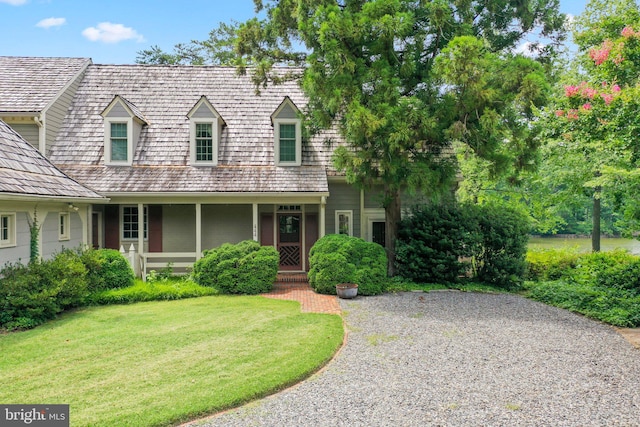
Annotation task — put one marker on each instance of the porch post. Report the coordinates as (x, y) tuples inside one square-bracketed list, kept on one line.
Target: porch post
[(255, 222), (362, 224), (323, 206), (141, 229), (198, 231)]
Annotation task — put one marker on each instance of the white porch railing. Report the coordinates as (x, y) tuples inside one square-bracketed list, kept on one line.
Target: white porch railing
[(180, 261)]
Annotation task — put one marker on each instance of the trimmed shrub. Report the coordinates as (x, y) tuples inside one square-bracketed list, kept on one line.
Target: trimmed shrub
[(106, 269), (243, 268), (550, 264), (615, 269), (33, 294), (338, 258), (505, 234), (435, 243), (167, 289)]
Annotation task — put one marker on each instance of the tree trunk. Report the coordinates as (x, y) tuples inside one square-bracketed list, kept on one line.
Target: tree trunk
[(595, 233), (392, 218)]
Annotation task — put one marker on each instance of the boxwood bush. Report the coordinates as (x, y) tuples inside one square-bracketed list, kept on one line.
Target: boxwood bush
[(338, 258), (32, 294), (243, 268), (106, 269)]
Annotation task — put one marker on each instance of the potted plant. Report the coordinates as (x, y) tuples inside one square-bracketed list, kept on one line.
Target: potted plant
[(347, 290)]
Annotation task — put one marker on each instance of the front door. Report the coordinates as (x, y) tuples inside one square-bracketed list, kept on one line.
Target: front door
[(289, 241)]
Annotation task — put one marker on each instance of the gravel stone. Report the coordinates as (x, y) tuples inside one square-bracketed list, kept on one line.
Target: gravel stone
[(461, 359)]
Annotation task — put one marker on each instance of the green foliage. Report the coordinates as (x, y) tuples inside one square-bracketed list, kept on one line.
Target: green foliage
[(33, 294), (166, 289), (616, 269), (34, 233), (550, 264), (338, 258), (106, 269), (505, 233), (437, 243), (243, 268)]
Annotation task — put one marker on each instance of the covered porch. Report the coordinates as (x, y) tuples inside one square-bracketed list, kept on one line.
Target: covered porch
[(176, 231)]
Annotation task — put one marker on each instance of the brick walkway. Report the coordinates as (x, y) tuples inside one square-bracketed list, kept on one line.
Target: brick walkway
[(294, 287)]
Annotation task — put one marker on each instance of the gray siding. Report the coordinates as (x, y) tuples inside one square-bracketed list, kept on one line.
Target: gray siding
[(56, 113), (29, 133), (343, 197), (118, 110), (51, 244), (226, 224), (287, 112), (178, 228), (203, 112), (20, 252)]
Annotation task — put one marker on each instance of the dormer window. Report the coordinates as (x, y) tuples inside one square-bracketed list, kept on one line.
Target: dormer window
[(205, 127), (122, 126), (287, 130)]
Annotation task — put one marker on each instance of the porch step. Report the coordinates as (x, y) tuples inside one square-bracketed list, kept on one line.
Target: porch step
[(292, 278)]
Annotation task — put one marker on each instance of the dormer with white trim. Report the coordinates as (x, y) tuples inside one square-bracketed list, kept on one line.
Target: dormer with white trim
[(123, 123), (287, 132), (205, 128)]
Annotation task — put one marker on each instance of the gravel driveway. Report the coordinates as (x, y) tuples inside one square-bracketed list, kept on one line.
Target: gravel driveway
[(462, 359)]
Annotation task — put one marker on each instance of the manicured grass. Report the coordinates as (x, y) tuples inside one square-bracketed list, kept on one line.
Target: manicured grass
[(157, 363)]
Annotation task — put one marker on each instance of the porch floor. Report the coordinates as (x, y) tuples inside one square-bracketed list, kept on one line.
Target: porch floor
[(295, 287)]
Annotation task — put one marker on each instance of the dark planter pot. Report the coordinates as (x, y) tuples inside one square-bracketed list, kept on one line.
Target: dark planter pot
[(347, 290)]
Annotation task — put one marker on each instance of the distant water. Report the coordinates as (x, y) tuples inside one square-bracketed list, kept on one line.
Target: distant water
[(583, 244)]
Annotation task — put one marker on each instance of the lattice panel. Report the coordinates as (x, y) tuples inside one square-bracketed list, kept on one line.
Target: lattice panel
[(290, 256)]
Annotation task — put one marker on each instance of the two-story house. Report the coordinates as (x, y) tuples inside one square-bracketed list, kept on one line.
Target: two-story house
[(191, 157)]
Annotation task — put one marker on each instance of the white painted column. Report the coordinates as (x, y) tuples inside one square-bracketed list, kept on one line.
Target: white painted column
[(198, 231), (255, 222), (140, 229), (85, 219), (323, 207), (362, 223)]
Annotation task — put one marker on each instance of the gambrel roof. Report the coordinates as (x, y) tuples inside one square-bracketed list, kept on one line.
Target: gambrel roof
[(46, 78), (25, 172), (165, 95)]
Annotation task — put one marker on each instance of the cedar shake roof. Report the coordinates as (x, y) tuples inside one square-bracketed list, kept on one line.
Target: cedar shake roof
[(164, 96), (24, 171), (46, 78)]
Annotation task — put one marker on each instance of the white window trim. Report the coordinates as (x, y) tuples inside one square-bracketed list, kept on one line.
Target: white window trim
[(215, 134), (372, 215), (107, 140), (11, 241), (349, 213), (64, 225), (276, 141), (145, 217)]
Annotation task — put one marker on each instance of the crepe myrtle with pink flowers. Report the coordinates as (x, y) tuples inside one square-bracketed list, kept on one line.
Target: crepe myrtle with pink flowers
[(594, 127)]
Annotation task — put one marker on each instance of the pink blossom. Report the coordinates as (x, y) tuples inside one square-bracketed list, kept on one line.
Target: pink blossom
[(572, 115), (615, 88), (607, 98), (588, 92), (601, 55), (628, 32), (586, 106), (570, 91), (559, 113)]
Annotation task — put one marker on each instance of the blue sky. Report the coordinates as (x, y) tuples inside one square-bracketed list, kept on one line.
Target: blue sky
[(113, 32)]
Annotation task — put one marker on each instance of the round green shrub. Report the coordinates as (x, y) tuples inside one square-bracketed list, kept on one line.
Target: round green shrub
[(243, 268), (107, 269), (338, 258)]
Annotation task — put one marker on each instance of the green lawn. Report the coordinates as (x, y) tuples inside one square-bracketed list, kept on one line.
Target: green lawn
[(157, 363)]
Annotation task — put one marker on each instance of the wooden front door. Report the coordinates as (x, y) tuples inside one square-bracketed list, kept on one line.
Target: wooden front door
[(289, 241)]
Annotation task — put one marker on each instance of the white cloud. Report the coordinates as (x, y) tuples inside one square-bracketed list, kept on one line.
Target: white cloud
[(51, 22), (530, 49), (107, 32), (14, 2)]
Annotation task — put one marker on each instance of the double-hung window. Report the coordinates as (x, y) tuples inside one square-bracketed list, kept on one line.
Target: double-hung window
[(344, 222), (119, 142), (63, 226), (288, 142), (130, 221), (204, 142), (7, 229)]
